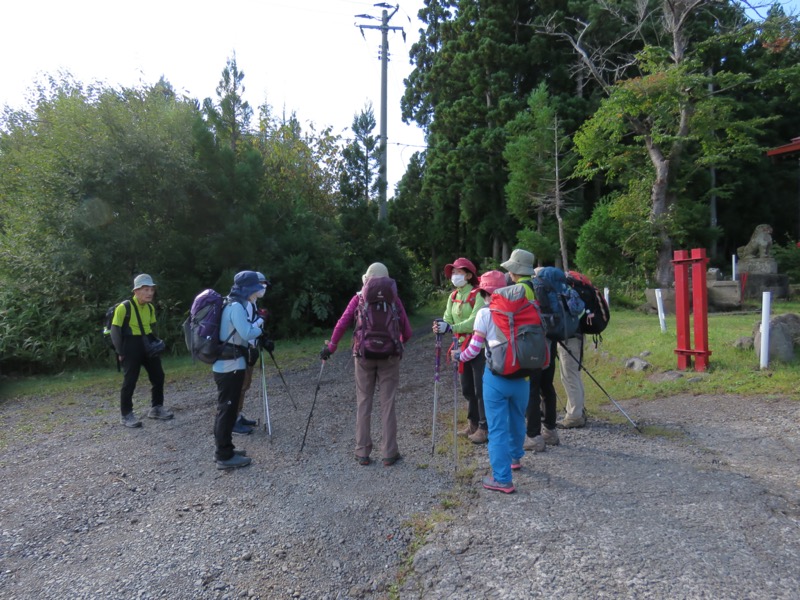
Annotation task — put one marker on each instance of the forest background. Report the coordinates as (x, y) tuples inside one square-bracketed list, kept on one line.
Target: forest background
[(600, 135)]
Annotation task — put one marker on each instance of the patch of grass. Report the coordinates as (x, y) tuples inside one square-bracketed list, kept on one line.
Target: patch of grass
[(421, 525), (731, 371)]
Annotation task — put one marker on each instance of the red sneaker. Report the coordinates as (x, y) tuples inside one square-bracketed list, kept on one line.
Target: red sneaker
[(490, 484)]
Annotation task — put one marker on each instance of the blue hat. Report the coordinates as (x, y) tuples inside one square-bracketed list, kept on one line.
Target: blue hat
[(245, 284)]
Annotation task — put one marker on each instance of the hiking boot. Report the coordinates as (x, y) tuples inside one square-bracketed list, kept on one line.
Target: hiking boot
[(388, 462), (571, 422), (534, 444), (237, 452), (490, 484), (240, 429), (469, 429), (130, 420), (481, 436), (363, 460), (247, 422), (550, 436), (516, 465), (159, 412), (234, 462)]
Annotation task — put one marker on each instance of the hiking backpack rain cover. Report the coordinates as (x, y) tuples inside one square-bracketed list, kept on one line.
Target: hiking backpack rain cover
[(377, 330), (560, 305), (201, 329), (521, 346), (597, 315)]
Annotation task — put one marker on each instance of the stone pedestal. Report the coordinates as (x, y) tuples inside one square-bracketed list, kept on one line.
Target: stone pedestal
[(757, 266), (667, 297), (756, 283), (724, 295)]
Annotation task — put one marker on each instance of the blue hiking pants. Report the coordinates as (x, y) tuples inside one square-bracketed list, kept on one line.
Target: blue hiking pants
[(505, 401)]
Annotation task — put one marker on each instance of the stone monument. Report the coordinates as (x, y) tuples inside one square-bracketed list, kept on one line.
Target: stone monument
[(758, 271)]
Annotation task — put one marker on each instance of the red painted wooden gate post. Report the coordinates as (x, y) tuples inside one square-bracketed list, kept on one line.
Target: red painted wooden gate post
[(700, 304), (683, 350)]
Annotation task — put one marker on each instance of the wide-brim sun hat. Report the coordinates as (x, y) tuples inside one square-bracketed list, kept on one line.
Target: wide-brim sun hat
[(520, 262), (491, 281), (461, 263), (245, 284), (143, 280)]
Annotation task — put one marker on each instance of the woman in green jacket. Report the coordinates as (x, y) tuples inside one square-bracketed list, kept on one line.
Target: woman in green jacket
[(459, 318)]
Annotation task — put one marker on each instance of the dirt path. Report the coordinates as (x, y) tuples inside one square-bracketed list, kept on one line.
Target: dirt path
[(92, 510)]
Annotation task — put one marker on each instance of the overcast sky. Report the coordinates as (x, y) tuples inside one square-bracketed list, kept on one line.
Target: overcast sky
[(305, 56)]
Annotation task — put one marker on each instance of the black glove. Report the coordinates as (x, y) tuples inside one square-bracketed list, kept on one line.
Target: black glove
[(326, 353), (266, 344)]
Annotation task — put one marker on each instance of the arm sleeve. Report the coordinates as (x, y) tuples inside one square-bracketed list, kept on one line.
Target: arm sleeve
[(475, 346), (405, 325), (116, 338), (344, 322), (448, 311), (246, 330), (478, 338)]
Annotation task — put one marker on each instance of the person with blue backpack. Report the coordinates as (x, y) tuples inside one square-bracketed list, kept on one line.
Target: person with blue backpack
[(229, 370), (459, 317), (538, 435), (381, 327)]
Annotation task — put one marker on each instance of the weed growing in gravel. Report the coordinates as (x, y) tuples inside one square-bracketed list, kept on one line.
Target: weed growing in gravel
[(421, 525)]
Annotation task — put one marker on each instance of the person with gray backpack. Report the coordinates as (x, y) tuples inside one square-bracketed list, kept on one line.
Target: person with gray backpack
[(510, 329)]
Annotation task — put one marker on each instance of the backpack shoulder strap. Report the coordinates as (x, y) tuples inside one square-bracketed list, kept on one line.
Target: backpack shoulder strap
[(473, 293)]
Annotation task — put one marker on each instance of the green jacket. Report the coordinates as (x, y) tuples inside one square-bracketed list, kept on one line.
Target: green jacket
[(460, 314)]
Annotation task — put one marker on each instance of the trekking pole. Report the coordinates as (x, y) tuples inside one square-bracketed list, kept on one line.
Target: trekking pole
[(455, 404), (288, 391), (614, 402), (319, 379), (267, 423), (436, 390)]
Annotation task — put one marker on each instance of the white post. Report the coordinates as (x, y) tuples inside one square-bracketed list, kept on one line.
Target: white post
[(605, 295), (766, 299), (660, 302), (733, 267)]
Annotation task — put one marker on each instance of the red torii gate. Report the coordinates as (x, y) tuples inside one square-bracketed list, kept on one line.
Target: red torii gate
[(786, 151)]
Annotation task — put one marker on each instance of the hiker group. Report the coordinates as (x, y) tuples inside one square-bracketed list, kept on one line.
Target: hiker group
[(226, 332), (507, 330)]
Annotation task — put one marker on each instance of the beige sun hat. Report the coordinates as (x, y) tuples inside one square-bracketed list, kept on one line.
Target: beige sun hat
[(375, 270), (520, 263)]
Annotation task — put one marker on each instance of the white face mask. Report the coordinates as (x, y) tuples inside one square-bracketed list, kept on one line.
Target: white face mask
[(458, 280), (262, 292)]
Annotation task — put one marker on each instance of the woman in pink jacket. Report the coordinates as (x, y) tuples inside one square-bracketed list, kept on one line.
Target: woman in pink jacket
[(377, 350)]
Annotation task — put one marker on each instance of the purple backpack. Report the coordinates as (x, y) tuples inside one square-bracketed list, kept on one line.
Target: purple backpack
[(201, 329), (377, 331)]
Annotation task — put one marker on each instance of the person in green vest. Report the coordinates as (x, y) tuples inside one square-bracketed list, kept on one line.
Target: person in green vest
[(133, 321)]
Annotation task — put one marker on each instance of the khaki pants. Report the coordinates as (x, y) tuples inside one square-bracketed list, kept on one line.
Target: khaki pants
[(385, 373), (571, 376)]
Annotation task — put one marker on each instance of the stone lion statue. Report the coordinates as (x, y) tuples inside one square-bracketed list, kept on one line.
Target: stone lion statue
[(759, 244)]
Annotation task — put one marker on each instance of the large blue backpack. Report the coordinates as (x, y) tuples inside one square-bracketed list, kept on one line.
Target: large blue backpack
[(560, 305)]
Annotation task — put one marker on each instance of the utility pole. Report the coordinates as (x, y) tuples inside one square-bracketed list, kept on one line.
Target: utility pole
[(384, 56)]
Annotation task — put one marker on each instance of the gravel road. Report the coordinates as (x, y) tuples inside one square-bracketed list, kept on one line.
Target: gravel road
[(708, 508)]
